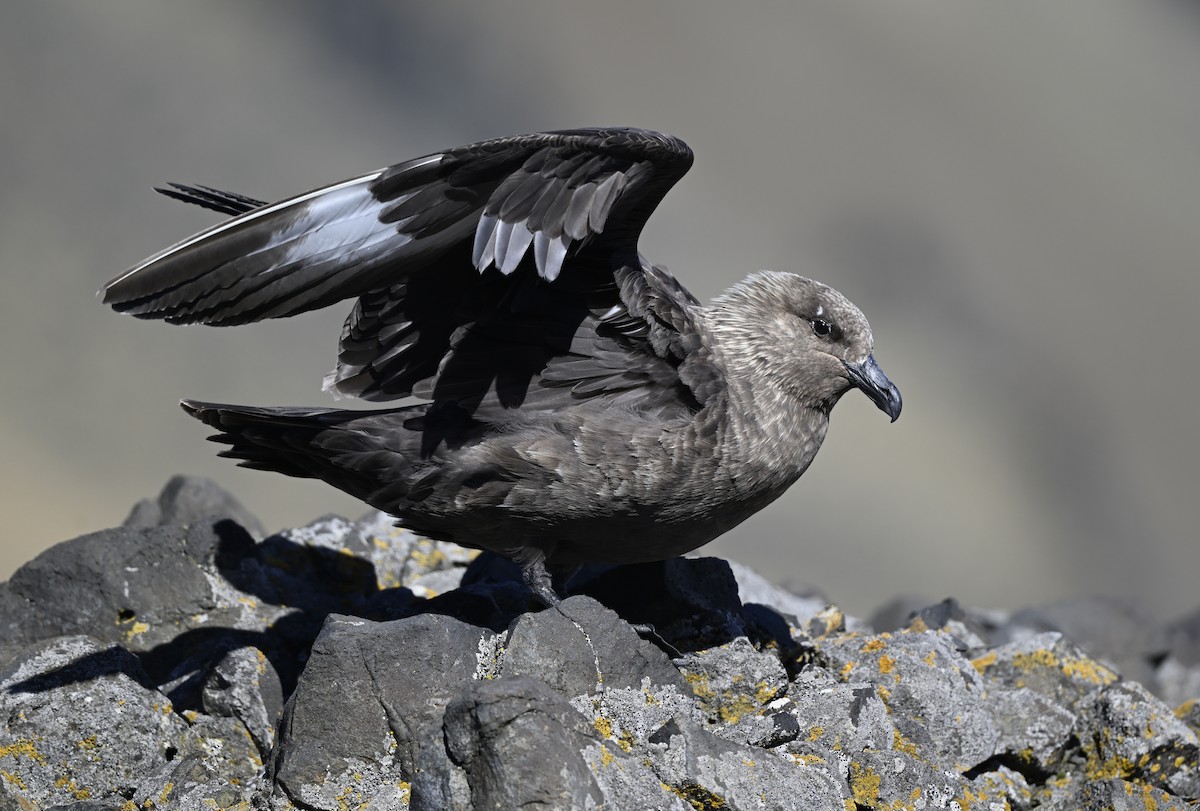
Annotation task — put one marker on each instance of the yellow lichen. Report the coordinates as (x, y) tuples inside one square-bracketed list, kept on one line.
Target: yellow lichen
[(604, 726), (1035, 659), (873, 645), (22, 748), (903, 744), (428, 556), (135, 630), (807, 760), (697, 796), (984, 662), (734, 707), (699, 684), (1089, 670), (815, 733), (864, 785), (765, 693), (69, 785)]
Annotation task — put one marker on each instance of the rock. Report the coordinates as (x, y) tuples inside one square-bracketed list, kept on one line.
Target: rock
[(1047, 664), (1117, 632), (838, 716), (739, 690), (367, 712), (753, 588), (878, 778), (186, 500), (1101, 795), (693, 602), (1126, 732), (934, 694), (245, 686), (503, 733), (179, 663), (1033, 730), (581, 647), (79, 722)]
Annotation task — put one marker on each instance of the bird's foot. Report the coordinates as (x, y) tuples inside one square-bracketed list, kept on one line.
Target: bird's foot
[(538, 580)]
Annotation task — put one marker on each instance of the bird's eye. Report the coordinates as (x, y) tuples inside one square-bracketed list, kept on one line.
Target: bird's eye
[(822, 327)]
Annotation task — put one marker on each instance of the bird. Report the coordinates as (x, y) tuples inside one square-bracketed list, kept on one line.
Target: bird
[(570, 402)]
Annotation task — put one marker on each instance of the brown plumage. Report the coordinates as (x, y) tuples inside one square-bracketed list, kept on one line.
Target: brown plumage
[(578, 404)]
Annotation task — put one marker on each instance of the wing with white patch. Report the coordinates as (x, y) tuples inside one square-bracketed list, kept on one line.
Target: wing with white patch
[(538, 196), (497, 275)]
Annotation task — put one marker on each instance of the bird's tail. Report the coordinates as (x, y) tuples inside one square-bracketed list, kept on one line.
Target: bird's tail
[(344, 448)]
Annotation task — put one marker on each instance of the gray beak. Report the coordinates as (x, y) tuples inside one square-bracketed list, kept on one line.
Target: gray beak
[(875, 384)]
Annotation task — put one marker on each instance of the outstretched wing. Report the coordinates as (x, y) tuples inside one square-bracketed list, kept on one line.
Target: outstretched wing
[(501, 273)]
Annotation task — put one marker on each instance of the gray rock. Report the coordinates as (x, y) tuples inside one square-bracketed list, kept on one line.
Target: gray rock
[(738, 690), (1032, 729), (754, 588), (135, 587), (1115, 631), (400, 557), (581, 647), (245, 686), (838, 716), (918, 614), (367, 711), (188, 500), (933, 693), (878, 779), (711, 772), (1114, 793), (992, 789), (522, 745), (692, 602), (1177, 683), (194, 783), (78, 723), (414, 678), (1047, 664), (1126, 732)]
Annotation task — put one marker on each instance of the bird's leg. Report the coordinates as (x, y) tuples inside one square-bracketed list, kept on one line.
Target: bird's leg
[(537, 578)]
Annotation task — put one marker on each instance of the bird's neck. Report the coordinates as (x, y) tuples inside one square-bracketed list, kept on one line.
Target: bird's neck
[(770, 429), (765, 428)]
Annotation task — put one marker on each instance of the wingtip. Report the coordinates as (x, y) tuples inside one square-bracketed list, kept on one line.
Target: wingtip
[(193, 407)]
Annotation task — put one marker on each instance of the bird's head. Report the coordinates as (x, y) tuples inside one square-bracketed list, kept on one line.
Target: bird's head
[(804, 337)]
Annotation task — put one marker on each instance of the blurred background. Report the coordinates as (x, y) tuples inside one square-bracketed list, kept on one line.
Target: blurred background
[(1010, 191)]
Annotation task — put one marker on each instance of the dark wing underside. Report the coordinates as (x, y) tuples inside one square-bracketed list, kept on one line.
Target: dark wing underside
[(495, 275)]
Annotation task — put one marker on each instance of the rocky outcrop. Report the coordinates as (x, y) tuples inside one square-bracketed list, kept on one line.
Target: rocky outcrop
[(179, 662)]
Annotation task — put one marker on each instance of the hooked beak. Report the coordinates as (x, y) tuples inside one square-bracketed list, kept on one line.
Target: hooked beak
[(875, 384)]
